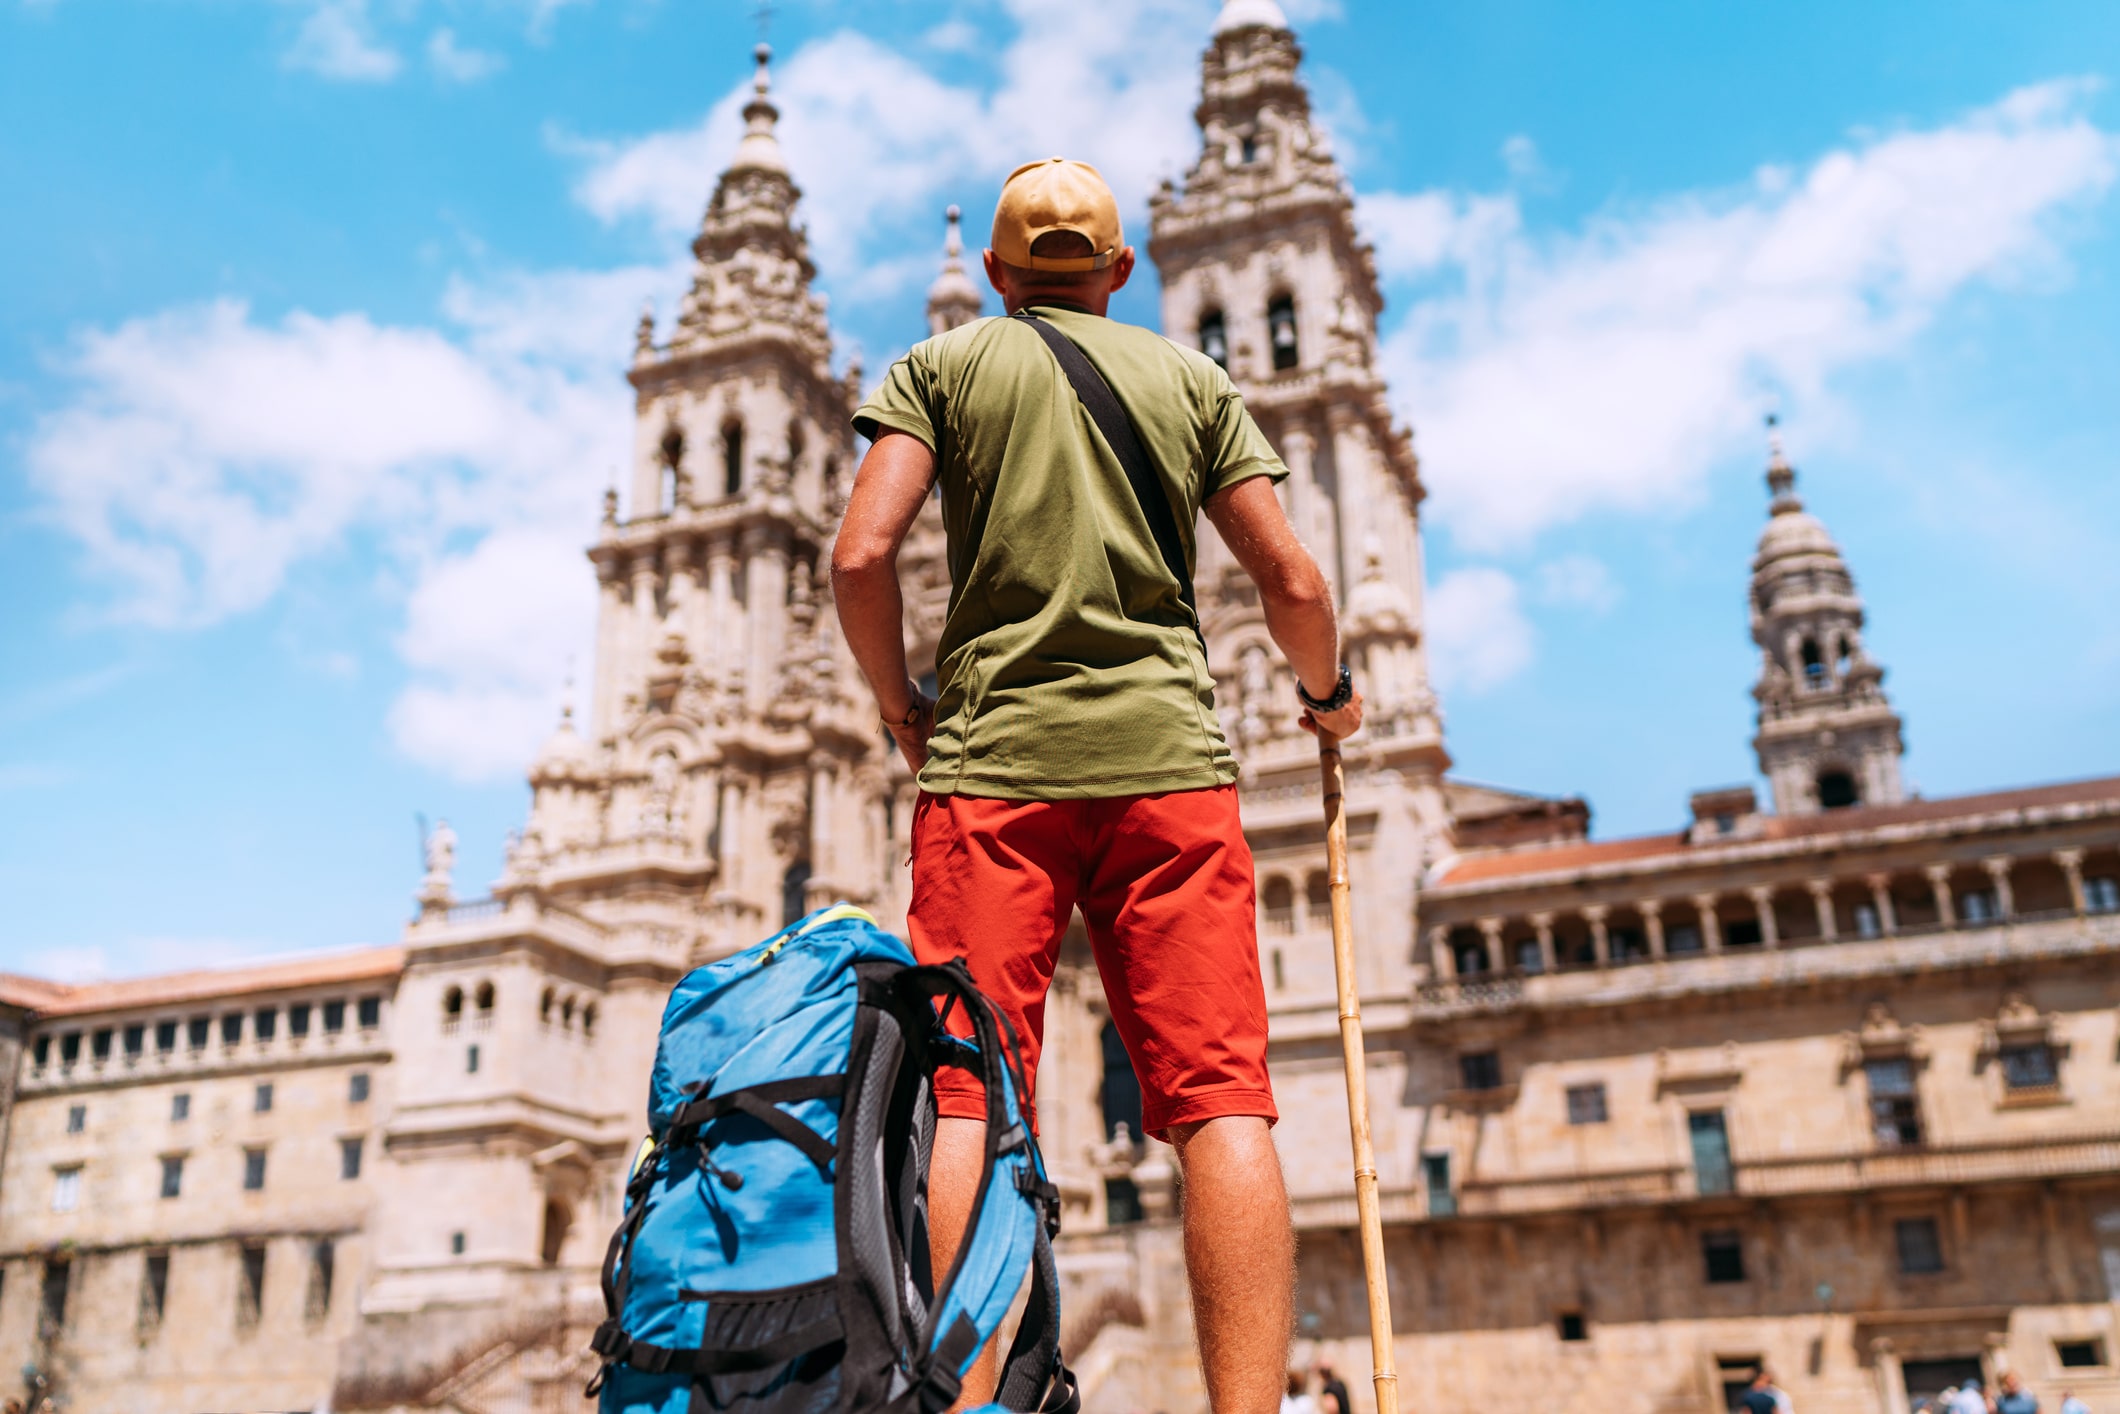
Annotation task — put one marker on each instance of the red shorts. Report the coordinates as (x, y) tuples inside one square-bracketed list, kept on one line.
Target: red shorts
[(1165, 884)]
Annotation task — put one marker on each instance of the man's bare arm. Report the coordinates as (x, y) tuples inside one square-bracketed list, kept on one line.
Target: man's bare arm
[(1292, 590), (888, 492)]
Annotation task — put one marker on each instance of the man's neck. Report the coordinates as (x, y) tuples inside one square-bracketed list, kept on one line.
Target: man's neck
[(1041, 299)]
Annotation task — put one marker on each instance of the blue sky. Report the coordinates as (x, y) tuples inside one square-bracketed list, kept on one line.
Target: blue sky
[(314, 314)]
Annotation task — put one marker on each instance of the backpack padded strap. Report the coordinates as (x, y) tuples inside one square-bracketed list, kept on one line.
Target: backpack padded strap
[(762, 1102), (1033, 1376)]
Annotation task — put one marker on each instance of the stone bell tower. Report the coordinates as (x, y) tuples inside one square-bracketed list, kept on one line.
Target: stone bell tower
[(733, 776), (1828, 737), (1264, 271)]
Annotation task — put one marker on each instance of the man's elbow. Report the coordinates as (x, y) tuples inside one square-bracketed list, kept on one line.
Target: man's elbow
[(1296, 587), (855, 559)]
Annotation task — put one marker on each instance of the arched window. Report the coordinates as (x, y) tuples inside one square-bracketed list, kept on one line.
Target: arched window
[(1214, 337), (732, 458), (672, 455), (544, 1007), (485, 996), (1119, 1093), (1248, 149), (589, 1019), (1317, 892), (1837, 790), (794, 888), (1279, 899), (566, 1014), (1281, 331), (1843, 654), (1469, 951), (558, 1218), (453, 1004), (1814, 663)]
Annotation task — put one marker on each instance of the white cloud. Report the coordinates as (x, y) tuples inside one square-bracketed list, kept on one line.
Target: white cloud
[(1578, 581), (334, 42), (457, 64), (879, 145), (1612, 369), (1478, 636)]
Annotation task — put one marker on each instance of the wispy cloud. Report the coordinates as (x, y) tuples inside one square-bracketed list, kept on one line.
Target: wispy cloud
[(458, 64), (43, 699), (1478, 634), (1611, 368), (335, 42)]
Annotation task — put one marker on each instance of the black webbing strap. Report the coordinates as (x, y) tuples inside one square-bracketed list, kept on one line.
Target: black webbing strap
[(1111, 419), (1033, 1377), (762, 1102), (615, 1346)]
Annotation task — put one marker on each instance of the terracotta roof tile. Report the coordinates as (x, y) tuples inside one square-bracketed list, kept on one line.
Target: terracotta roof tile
[(29, 993), (1519, 862), (367, 965)]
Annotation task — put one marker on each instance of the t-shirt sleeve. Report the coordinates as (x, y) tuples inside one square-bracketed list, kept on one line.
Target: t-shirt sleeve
[(1236, 449), (904, 402)]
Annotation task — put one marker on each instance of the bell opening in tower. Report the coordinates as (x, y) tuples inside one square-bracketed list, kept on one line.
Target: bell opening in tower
[(1214, 338), (1814, 663), (732, 458), (1281, 331), (1837, 790)]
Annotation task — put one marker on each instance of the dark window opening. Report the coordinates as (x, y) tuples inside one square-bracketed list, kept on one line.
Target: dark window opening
[(298, 1020), (1735, 1374), (253, 1169), (180, 1106), (41, 1051), (1814, 663), (2101, 895), (369, 1013), (732, 459), (349, 1159), (154, 1291), (2029, 1067), (1743, 933), (1573, 1326), (165, 1037), (268, 1020), (1682, 938), (1214, 337), (99, 1044), (1920, 1248), (1977, 906), (484, 998), (1867, 923), (334, 1016), (794, 891), (1248, 150), (1280, 970), (671, 452), (1435, 1176), (1926, 1380), (1895, 1111), (323, 1264), (1119, 1092), (456, 1244), (1711, 1151), (1836, 790), (452, 1007), (261, 1099), (1281, 331), (1722, 1256), (1122, 1202), (76, 1119), (544, 1006), (553, 1241), (231, 1028), (1278, 901), (69, 1048), (250, 1287), (471, 1059), (1468, 950), (1480, 1070), (198, 1031), (2077, 1354), (1528, 958), (172, 1175), (1586, 1104), (58, 1278), (1628, 944), (135, 1040), (357, 1087)]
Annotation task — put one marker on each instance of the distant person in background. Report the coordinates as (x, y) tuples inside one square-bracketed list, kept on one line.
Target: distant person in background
[(1295, 1401), (1968, 1399), (2015, 1398), (1759, 1399), (2072, 1405), (1329, 1382)]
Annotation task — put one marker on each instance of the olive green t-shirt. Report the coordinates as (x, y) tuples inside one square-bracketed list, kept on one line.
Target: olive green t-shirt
[(1069, 666)]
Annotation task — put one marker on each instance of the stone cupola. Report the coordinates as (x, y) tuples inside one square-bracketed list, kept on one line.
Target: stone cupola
[(953, 299), (1828, 737)]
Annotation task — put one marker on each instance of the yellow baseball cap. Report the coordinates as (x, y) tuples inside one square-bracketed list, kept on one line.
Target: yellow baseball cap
[(1056, 195)]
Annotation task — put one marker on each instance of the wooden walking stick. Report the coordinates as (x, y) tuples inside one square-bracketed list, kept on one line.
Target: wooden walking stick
[(1365, 1164)]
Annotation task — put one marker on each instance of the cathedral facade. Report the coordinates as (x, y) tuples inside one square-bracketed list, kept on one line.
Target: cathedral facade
[(1832, 1087)]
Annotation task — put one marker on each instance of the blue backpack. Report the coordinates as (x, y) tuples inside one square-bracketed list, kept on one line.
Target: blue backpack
[(774, 1253)]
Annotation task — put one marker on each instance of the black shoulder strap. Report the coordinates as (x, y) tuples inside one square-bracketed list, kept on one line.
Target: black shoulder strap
[(1104, 410)]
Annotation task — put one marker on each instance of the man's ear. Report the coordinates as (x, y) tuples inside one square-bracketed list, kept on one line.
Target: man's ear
[(1122, 268), (994, 269)]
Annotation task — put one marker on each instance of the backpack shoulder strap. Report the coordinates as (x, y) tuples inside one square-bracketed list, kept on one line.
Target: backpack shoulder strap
[(1111, 419)]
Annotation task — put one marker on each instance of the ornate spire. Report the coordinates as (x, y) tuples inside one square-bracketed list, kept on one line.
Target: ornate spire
[(953, 299), (760, 149), (1249, 14), (1828, 736)]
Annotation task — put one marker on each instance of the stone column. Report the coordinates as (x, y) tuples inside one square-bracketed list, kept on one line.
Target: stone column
[(1600, 939), (1439, 954), (644, 617), (766, 598), (1491, 931), (684, 584), (610, 632), (1998, 868), (721, 601), (1543, 924), (1306, 500), (1652, 911), (1710, 925), (1763, 903), (1940, 885), (1891, 1380), (1822, 901), (1881, 900), (2071, 862)]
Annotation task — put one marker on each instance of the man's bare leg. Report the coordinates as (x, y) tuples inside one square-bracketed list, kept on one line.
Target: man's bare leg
[(953, 1187), (1240, 1258)]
